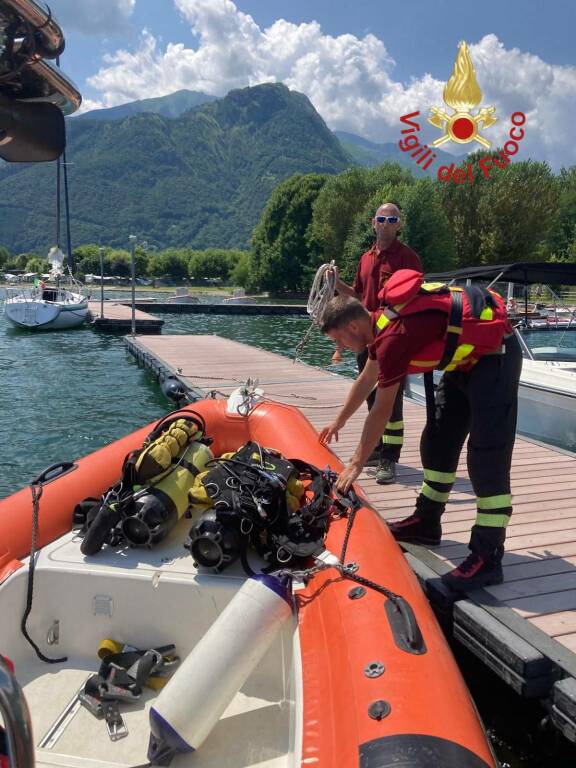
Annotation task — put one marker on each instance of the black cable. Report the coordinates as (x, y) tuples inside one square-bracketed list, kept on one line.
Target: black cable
[(30, 590)]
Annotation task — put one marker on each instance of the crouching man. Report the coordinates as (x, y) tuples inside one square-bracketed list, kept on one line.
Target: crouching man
[(466, 333)]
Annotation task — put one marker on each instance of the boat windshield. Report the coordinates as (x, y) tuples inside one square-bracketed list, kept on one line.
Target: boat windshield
[(549, 345)]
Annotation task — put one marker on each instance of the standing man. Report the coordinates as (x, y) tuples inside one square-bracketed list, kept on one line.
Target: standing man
[(465, 332), (387, 255)]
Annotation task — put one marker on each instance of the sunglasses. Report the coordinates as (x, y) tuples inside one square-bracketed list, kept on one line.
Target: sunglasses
[(389, 219)]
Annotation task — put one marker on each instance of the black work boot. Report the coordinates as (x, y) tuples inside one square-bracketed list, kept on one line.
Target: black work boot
[(483, 566), (423, 527)]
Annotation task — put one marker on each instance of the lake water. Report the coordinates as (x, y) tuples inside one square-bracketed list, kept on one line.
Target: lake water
[(65, 394)]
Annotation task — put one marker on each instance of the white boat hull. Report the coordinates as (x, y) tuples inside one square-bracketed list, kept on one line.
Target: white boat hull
[(47, 315), (546, 401)]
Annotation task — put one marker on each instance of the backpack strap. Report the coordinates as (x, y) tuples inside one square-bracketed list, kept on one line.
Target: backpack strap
[(454, 328)]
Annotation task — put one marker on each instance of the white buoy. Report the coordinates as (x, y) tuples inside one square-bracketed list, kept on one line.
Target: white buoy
[(193, 701)]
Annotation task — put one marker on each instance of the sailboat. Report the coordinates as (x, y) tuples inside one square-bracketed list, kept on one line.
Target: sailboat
[(54, 307)]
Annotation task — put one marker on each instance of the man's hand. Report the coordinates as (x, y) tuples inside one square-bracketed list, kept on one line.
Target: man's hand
[(331, 431), (347, 477)]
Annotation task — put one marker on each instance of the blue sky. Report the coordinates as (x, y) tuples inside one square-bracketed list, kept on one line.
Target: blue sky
[(361, 63)]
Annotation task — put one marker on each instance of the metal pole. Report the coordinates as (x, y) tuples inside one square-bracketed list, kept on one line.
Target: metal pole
[(132, 239), (101, 252)]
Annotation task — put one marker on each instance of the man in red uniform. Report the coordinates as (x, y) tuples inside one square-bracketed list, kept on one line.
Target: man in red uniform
[(470, 337), (387, 255)]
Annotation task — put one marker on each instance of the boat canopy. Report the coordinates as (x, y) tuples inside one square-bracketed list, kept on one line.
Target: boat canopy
[(524, 272)]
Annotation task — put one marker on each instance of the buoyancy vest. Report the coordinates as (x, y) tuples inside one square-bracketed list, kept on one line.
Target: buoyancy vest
[(477, 319)]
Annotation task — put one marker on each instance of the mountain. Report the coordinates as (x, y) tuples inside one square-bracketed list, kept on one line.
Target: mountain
[(369, 153), (172, 105), (200, 179)]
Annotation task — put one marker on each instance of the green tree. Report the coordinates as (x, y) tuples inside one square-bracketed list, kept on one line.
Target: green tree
[(517, 212), (117, 263), (213, 263), (506, 217), (172, 262), (36, 264), (461, 202), (19, 261), (343, 197), (87, 259), (425, 227), (280, 255), (4, 256), (561, 240), (240, 275)]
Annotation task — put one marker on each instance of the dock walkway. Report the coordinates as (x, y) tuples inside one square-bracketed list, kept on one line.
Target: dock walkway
[(118, 317), (523, 629)]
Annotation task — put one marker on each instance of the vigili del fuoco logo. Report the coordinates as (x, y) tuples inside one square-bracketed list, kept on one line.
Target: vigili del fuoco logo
[(462, 95)]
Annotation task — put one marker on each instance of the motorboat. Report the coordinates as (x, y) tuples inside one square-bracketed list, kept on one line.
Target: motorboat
[(182, 296), (349, 668), (547, 391), (239, 297), (43, 307)]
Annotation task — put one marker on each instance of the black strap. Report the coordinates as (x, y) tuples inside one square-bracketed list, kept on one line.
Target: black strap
[(189, 466), (430, 399), (453, 336)]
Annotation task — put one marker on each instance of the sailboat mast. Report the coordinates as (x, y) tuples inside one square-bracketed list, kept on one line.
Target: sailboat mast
[(58, 195), (67, 215)]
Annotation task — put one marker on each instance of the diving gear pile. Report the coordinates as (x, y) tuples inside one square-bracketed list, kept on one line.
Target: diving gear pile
[(253, 497)]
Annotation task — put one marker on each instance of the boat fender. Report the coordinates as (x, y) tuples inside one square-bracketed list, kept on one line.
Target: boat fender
[(243, 399), (193, 701)]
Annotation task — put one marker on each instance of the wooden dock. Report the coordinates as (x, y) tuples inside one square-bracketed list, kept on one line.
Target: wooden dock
[(224, 308), (118, 317), (523, 629)]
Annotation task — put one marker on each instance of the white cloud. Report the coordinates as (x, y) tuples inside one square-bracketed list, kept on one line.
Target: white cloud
[(93, 17), (348, 79)]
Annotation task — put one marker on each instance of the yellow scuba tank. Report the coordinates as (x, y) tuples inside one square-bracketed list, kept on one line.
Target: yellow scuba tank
[(164, 501), (152, 493)]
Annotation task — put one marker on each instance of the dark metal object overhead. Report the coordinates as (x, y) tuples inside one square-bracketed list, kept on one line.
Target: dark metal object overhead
[(551, 273), (34, 94)]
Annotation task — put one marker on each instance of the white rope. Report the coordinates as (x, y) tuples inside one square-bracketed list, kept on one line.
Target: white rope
[(323, 288)]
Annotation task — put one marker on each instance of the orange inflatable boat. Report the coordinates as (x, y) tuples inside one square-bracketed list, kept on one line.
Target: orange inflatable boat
[(355, 677)]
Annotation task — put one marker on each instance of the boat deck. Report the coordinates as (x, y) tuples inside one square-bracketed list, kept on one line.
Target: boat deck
[(523, 629), (161, 581)]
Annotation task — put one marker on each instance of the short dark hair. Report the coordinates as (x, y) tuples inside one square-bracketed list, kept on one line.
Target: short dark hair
[(341, 310)]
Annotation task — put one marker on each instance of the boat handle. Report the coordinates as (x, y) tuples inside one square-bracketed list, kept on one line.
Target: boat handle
[(54, 471), (404, 624)]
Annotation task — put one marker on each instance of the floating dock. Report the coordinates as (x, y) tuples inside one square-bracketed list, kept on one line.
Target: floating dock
[(523, 629), (117, 317), (226, 308)]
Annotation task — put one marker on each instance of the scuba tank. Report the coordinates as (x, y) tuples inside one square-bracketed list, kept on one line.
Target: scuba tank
[(194, 699), (157, 509), (152, 493)]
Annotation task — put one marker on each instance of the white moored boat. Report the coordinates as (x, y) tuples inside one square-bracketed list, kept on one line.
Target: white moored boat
[(48, 308)]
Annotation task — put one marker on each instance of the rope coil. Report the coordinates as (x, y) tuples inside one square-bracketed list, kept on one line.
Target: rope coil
[(322, 290)]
